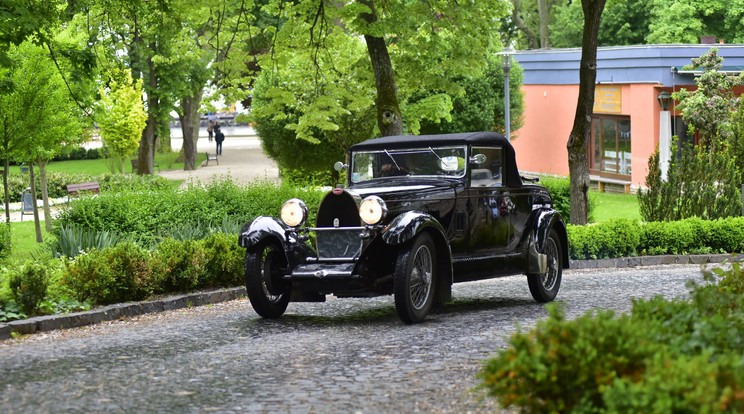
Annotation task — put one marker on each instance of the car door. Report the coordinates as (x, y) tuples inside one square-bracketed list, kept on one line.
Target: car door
[(489, 212)]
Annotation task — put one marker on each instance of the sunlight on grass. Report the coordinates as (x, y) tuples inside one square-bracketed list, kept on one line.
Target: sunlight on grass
[(608, 206), (23, 239), (101, 166)]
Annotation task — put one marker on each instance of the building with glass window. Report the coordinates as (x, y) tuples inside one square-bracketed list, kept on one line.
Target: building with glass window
[(629, 122)]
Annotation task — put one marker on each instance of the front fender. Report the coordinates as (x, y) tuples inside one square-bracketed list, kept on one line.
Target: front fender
[(264, 228), (407, 225), (259, 229)]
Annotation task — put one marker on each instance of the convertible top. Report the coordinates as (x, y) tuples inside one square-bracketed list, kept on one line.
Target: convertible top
[(488, 139)]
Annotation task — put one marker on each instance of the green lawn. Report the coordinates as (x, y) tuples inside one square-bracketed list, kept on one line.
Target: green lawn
[(23, 240), (102, 166), (608, 206)]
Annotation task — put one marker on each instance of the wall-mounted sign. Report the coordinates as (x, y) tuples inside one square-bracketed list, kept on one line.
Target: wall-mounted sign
[(608, 99)]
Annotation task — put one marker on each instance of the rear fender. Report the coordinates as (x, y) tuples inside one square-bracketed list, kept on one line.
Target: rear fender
[(545, 220)]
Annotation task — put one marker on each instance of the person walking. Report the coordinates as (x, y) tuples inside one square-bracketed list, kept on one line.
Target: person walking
[(211, 124), (218, 138)]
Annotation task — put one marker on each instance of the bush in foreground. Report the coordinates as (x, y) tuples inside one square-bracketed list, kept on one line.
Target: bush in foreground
[(666, 356)]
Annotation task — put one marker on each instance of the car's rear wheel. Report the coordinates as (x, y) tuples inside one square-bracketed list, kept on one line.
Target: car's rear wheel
[(544, 287), (264, 267), (413, 283)]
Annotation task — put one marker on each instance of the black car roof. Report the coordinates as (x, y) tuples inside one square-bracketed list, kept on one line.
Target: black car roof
[(511, 173)]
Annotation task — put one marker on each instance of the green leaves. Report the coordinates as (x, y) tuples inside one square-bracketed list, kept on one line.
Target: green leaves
[(121, 116)]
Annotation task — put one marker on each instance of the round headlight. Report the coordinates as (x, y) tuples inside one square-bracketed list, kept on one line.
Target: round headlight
[(294, 212), (372, 210)]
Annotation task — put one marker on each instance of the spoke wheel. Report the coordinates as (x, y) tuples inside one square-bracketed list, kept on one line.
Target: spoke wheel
[(544, 287), (414, 277), (264, 268)]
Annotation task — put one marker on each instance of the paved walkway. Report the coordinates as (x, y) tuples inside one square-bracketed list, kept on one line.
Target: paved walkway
[(242, 160)]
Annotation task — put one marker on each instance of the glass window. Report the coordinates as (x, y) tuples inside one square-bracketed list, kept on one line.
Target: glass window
[(437, 161), (489, 172), (610, 145)]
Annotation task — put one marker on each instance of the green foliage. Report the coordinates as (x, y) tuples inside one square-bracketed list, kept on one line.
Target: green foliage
[(121, 117), (117, 274), (702, 180), (224, 260), (560, 190), (149, 216), (276, 97), (699, 184), (613, 238), (73, 240), (29, 285), (682, 356), (6, 246), (710, 108), (562, 366), (481, 107), (180, 266), (624, 238)]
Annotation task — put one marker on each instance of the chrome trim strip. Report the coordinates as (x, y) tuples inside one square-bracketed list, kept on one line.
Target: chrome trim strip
[(334, 228)]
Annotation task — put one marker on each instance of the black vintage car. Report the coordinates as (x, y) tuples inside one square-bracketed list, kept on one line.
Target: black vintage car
[(418, 214)]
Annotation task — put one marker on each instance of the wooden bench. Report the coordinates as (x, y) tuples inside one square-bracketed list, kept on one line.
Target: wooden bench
[(75, 190), (212, 157), (135, 164), (602, 182)]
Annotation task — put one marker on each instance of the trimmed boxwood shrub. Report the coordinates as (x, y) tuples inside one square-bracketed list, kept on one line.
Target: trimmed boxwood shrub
[(623, 237), (116, 274)]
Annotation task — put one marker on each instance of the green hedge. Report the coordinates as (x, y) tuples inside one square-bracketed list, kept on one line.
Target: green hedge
[(151, 215), (57, 183), (622, 238), (121, 273), (679, 356)]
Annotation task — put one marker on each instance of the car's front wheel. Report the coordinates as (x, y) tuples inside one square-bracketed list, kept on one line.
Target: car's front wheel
[(264, 267), (544, 287), (413, 282)]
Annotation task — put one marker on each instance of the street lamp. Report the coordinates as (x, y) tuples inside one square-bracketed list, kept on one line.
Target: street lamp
[(506, 65), (664, 99), (665, 132)]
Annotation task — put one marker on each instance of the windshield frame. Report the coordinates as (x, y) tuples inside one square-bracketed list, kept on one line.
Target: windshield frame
[(411, 162)]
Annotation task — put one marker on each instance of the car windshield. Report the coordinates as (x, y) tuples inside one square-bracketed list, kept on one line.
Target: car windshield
[(428, 161)]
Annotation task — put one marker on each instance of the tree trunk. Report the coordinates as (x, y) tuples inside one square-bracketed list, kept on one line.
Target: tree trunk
[(190, 118), (45, 195), (580, 133), (521, 25), (37, 223), (389, 118), (6, 196), (147, 142), (543, 12)]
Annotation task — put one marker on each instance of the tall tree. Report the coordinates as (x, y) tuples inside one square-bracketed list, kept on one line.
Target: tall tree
[(411, 45), (44, 118), (121, 117), (581, 130)]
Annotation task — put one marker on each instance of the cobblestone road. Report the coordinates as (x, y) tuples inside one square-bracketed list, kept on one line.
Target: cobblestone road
[(342, 356)]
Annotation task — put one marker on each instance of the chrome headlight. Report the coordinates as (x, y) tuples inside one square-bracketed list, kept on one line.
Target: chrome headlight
[(294, 212), (372, 210)]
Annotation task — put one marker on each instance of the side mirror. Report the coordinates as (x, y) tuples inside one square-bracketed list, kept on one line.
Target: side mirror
[(339, 166), (478, 159)]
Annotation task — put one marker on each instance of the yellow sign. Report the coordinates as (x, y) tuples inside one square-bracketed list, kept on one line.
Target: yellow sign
[(608, 99)]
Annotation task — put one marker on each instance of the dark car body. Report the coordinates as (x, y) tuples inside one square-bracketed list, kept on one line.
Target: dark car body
[(451, 208)]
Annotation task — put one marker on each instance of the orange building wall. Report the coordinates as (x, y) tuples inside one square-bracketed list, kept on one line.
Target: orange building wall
[(549, 114), (548, 117)]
